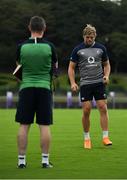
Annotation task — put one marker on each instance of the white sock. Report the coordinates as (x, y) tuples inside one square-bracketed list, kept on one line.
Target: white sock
[(45, 158), (21, 159), (86, 135), (105, 134)]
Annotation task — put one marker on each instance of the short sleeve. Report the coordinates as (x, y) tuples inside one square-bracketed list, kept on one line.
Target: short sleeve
[(105, 54), (54, 54), (18, 53), (74, 56)]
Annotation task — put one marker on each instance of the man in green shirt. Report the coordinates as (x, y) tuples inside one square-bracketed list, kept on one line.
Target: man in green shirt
[(38, 60)]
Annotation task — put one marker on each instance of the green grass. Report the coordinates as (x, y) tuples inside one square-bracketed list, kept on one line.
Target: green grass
[(70, 160)]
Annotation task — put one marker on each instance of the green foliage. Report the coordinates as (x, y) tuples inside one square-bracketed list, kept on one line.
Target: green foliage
[(65, 22), (7, 83), (14, 19), (118, 83), (118, 46), (62, 84)]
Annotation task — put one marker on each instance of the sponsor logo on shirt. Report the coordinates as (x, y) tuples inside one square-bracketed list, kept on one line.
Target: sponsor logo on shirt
[(91, 60)]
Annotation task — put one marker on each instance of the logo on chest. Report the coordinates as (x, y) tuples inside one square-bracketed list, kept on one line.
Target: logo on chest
[(91, 60)]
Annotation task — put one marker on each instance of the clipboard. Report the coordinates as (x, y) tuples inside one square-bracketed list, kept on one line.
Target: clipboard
[(18, 72)]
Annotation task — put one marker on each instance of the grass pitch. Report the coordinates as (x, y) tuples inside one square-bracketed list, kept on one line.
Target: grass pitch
[(70, 159)]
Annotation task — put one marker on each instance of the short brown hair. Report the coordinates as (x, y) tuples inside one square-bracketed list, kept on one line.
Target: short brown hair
[(89, 29), (37, 24)]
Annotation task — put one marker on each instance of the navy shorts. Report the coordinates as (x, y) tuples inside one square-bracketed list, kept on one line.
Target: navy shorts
[(98, 91), (34, 101)]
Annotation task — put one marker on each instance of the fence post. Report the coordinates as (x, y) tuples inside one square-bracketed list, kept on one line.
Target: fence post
[(69, 99), (9, 99), (112, 95)]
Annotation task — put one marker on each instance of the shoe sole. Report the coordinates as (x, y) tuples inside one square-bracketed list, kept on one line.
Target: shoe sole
[(107, 144), (47, 166), (21, 167)]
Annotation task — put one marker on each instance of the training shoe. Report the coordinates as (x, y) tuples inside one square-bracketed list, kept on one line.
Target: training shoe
[(45, 165), (87, 144), (106, 141), (21, 166)]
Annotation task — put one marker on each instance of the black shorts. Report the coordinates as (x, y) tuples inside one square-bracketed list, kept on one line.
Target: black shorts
[(98, 91), (34, 101)]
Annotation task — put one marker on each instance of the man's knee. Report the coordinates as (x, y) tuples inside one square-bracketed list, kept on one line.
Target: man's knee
[(86, 110), (102, 107)]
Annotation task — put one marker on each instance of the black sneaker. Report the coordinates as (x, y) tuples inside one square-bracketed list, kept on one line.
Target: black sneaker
[(21, 166), (45, 165)]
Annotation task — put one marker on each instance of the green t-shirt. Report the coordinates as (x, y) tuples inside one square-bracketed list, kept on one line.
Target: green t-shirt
[(36, 57)]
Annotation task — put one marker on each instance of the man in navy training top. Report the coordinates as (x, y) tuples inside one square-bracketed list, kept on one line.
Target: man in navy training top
[(94, 68)]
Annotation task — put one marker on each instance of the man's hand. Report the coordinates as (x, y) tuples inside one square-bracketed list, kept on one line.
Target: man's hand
[(106, 80), (74, 87)]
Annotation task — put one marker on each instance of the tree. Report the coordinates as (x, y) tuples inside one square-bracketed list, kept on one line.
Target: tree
[(118, 46), (14, 19), (65, 22)]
